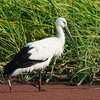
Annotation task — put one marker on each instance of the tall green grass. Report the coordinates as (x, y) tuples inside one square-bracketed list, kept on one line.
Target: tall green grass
[(23, 21)]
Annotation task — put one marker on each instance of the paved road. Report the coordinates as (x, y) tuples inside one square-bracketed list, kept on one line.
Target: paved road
[(54, 92)]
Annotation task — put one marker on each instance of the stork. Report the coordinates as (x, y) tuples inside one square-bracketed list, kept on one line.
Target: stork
[(37, 55)]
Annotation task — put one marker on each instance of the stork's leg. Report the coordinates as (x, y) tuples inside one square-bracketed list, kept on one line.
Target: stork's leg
[(39, 83), (40, 78), (9, 83)]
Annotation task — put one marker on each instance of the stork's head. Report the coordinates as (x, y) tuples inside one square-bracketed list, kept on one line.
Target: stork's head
[(63, 23)]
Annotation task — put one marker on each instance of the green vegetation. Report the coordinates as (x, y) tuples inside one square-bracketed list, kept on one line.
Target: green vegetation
[(23, 21)]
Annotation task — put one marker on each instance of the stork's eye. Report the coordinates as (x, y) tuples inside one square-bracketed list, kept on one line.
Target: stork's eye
[(64, 22)]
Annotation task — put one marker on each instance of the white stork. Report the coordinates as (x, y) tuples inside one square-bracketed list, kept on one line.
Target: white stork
[(37, 55)]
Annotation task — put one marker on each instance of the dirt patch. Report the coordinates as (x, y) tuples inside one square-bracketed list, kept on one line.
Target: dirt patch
[(55, 91)]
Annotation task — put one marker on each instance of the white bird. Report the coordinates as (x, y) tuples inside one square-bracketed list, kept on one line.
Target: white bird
[(37, 55)]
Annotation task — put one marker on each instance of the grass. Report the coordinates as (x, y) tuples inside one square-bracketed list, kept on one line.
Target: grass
[(23, 21)]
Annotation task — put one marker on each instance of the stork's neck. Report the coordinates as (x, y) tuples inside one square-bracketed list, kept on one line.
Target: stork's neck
[(61, 35)]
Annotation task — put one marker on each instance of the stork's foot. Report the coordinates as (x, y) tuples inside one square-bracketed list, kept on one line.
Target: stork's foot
[(11, 91), (9, 83), (40, 89)]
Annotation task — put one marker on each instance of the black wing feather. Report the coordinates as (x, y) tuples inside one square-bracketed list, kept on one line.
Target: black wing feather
[(21, 60)]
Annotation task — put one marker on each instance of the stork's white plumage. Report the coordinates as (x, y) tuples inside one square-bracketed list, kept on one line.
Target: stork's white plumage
[(37, 55)]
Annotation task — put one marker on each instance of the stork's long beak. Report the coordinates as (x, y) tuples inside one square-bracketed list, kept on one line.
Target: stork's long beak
[(69, 35)]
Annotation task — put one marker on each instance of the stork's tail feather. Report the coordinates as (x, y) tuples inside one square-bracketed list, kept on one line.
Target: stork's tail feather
[(9, 68)]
